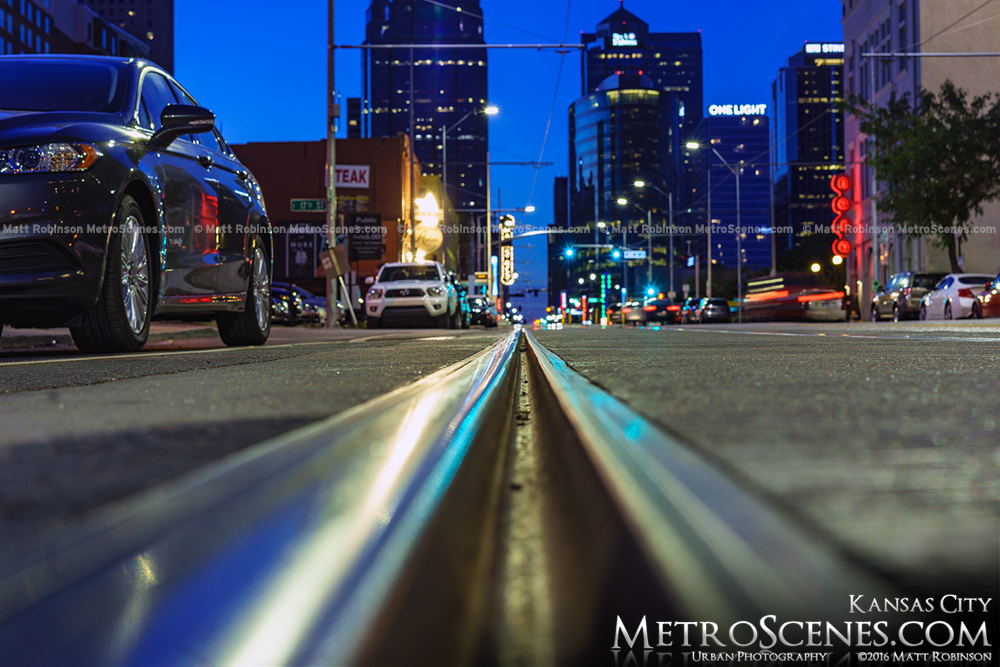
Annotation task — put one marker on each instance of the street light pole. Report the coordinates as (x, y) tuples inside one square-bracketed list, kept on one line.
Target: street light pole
[(670, 209), (711, 251), (649, 247), (739, 233)]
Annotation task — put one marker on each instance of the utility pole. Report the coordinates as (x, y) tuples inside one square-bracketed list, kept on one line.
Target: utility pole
[(331, 171)]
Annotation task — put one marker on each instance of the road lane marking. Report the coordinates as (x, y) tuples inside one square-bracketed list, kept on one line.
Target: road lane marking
[(843, 335)]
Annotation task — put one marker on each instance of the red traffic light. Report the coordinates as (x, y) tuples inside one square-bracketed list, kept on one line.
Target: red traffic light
[(840, 183), (841, 247)]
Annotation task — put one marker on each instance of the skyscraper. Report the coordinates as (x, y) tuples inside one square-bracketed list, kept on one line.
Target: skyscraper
[(742, 140), (448, 88), (623, 44), (150, 22), (807, 143)]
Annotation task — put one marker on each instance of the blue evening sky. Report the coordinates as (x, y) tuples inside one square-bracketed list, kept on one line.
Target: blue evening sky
[(261, 66)]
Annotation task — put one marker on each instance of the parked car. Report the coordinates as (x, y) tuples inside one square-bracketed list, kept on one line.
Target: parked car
[(482, 311), (713, 309), (953, 296), (988, 301), (314, 306), (662, 311), (901, 298), (412, 293), (123, 203)]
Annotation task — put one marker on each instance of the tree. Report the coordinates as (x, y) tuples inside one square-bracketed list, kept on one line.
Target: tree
[(937, 160)]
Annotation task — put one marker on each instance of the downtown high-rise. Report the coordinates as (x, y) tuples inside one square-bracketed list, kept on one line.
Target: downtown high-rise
[(434, 90), (807, 141)]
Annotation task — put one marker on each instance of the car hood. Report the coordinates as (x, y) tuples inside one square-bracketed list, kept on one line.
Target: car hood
[(20, 127), (410, 284)]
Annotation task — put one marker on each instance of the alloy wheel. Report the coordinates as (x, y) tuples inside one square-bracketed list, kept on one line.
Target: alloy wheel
[(135, 274)]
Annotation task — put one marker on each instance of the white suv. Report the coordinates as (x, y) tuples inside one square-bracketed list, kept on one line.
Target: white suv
[(412, 293)]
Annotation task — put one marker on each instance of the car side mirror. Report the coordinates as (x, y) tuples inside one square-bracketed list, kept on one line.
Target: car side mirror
[(370, 280), (178, 119)]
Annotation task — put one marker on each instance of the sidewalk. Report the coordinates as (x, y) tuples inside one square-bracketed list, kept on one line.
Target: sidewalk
[(13, 339)]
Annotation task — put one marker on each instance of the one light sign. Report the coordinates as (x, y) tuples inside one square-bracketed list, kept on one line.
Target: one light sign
[(737, 110), (634, 254), (624, 39)]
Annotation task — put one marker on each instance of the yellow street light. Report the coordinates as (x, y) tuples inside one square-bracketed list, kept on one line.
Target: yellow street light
[(815, 267), (837, 260)]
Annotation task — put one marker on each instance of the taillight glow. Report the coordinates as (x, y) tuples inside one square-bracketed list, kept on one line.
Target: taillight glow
[(649, 309), (626, 310), (966, 292), (825, 296), (673, 308)]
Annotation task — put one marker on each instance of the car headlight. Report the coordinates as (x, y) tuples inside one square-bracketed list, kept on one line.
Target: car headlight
[(48, 158), (375, 293), (435, 291)]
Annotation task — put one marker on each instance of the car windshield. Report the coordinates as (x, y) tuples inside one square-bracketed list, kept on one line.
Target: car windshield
[(393, 274), (60, 86), (926, 281), (718, 302)]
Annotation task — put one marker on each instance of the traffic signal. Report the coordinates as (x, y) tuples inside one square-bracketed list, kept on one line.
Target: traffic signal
[(841, 204), (616, 254)]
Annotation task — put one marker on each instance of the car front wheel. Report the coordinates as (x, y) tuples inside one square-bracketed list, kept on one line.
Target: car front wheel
[(947, 311), (874, 316), (896, 314), (253, 325), (977, 314), (119, 320), (923, 312)]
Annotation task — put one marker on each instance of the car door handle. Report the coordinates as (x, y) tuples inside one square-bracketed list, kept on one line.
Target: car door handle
[(206, 160)]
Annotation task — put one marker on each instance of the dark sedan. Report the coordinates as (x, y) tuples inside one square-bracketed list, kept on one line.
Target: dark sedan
[(121, 203), (714, 310), (482, 311)]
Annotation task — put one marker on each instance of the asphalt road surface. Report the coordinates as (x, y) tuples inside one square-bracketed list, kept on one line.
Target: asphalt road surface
[(80, 431), (882, 439)]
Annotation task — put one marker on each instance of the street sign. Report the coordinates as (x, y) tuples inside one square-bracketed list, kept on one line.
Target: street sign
[(685, 288), (308, 205), (691, 260), (481, 277), (634, 254)]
